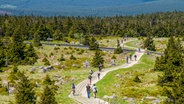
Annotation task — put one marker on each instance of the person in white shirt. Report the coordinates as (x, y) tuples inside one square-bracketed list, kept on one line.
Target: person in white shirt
[(95, 90)]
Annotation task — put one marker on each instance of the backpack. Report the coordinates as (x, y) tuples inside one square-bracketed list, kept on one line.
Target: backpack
[(95, 89), (90, 77)]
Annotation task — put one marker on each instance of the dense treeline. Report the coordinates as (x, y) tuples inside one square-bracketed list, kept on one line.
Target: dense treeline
[(58, 28), (15, 29), (172, 66)]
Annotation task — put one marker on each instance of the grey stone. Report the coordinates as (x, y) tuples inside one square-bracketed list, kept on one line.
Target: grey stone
[(4, 83), (117, 85), (113, 63), (37, 84), (105, 97), (118, 75), (11, 90), (57, 63), (150, 98), (33, 69), (157, 101)]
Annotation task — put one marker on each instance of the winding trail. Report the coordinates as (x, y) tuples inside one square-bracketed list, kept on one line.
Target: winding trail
[(81, 94)]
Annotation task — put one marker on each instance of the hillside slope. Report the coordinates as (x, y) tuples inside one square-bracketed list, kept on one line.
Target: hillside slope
[(88, 7)]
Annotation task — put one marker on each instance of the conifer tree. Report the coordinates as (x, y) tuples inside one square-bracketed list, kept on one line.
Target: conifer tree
[(97, 59), (24, 90), (86, 40), (16, 51), (2, 55), (148, 43), (13, 75), (30, 55), (172, 65), (48, 95), (118, 50), (36, 40), (93, 44)]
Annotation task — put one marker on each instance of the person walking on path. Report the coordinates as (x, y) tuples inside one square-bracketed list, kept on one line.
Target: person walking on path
[(73, 88), (94, 88), (91, 72), (135, 56), (90, 78), (98, 74), (127, 59), (100, 67), (88, 88), (139, 49), (131, 57)]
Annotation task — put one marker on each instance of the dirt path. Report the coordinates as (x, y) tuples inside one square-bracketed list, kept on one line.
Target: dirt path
[(81, 94)]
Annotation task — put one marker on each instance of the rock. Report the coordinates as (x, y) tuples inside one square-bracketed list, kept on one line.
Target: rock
[(86, 64), (57, 63), (37, 84), (4, 83), (129, 100), (150, 98), (74, 79), (117, 85), (113, 96), (118, 75), (157, 101), (63, 66), (48, 68), (11, 90), (75, 65), (41, 67), (105, 97), (33, 69), (57, 76), (43, 70)]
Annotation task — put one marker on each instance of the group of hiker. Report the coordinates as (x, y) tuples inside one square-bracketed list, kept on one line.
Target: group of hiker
[(130, 57), (93, 87), (89, 87)]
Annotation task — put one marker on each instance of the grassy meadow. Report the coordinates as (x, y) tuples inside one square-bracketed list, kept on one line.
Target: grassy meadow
[(71, 71), (121, 82)]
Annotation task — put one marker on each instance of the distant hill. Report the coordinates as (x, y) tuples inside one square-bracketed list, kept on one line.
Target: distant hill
[(88, 7)]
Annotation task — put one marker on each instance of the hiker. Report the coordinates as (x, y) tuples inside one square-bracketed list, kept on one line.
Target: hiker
[(131, 57), (91, 72), (90, 78), (88, 90), (98, 75), (94, 88), (100, 67), (139, 49), (73, 88), (135, 56), (127, 59)]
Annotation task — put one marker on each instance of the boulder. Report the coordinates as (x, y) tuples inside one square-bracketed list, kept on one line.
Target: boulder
[(33, 69)]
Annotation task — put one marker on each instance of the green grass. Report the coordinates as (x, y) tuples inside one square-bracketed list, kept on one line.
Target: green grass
[(67, 73), (126, 86)]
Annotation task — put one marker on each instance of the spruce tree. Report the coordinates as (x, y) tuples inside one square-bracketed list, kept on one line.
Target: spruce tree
[(30, 55), (36, 39), (2, 55), (86, 40), (13, 75), (97, 59), (149, 43), (16, 51), (48, 95), (172, 65), (118, 50), (24, 90), (93, 44)]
